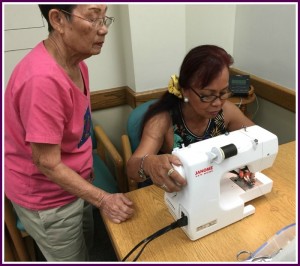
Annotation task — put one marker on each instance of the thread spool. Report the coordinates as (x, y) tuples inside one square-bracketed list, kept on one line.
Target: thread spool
[(224, 152), (229, 150)]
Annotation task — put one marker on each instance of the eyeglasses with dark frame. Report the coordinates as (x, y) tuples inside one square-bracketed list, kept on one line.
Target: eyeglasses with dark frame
[(212, 98), (96, 23)]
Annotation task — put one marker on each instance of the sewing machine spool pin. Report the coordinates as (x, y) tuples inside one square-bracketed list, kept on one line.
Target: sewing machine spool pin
[(223, 153)]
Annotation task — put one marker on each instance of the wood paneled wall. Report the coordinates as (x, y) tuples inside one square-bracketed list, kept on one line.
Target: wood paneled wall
[(267, 90)]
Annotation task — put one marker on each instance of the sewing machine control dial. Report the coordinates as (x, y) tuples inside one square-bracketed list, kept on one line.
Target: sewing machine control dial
[(180, 170)]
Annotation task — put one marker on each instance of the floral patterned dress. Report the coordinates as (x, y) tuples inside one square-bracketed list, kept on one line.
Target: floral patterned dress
[(183, 136)]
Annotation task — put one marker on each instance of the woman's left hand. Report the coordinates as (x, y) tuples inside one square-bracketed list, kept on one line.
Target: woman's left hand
[(117, 207)]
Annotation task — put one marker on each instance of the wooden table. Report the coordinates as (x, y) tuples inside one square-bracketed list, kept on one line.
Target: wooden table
[(274, 211)]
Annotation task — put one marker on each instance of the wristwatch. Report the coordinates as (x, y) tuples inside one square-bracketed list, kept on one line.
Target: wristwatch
[(141, 171)]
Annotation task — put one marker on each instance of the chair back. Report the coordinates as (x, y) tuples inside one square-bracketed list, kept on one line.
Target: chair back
[(134, 123), (106, 172), (16, 238)]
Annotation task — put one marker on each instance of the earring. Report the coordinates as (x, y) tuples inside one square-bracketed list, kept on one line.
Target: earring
[(186, 99)]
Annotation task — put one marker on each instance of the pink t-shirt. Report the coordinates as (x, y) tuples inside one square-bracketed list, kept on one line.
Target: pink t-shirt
[(43, 105)]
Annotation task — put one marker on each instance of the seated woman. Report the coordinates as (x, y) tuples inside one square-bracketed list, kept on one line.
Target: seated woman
[(194, 108)]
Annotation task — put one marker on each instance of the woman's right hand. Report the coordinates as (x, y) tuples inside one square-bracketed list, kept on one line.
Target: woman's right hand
[(117, 207), (160, 169)]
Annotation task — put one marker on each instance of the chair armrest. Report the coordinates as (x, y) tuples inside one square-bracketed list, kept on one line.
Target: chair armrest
[(126, 148), (127, 152), (106, 147)]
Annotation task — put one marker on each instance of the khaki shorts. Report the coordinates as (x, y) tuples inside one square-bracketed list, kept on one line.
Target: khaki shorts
[(60, 232)]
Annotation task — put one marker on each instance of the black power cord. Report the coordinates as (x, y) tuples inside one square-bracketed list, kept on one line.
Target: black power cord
[(183, 221)]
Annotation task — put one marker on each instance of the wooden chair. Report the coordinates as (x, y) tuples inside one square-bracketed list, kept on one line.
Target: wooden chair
[(131, 140), (108, 163), (18, 246)]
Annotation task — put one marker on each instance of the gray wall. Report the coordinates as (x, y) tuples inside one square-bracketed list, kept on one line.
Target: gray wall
[(147, 43), (265, 46)]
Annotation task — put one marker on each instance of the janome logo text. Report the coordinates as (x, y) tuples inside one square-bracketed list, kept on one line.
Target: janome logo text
[(204, 171)]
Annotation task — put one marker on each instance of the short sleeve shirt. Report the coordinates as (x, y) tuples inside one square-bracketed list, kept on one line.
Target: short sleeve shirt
[(43, 105)]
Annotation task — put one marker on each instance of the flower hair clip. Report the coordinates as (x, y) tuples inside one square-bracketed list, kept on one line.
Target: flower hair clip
[(174, 87)]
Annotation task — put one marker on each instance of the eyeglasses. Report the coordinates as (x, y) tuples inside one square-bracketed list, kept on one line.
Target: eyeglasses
[(96, 23), (211, 98)]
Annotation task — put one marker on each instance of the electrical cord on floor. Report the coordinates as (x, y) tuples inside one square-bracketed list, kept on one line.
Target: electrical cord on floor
[(183, 221)]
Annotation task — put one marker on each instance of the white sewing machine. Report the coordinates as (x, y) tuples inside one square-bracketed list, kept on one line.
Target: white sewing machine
[(213, 197)]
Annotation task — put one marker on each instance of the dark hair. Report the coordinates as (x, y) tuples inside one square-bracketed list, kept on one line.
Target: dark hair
[(46, 8), (200, 66)]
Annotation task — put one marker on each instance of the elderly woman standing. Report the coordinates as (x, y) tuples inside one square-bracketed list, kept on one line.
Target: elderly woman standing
[(48, 149)]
